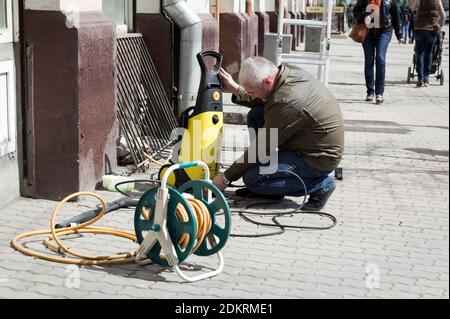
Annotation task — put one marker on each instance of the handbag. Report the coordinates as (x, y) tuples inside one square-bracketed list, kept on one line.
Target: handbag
[(359, 32)]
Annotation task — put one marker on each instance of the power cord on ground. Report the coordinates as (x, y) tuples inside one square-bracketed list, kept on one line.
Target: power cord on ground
[(297, 211)]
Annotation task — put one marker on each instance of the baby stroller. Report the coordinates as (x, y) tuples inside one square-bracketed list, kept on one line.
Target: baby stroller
[(437, 59)]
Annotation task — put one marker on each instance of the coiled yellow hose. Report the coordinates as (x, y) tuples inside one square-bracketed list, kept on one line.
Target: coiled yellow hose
[(53, 242)]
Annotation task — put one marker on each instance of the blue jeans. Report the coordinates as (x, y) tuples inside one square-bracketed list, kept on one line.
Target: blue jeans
[(375, 49), (405, 29), (411, 32), (425, 41), (279, 183)]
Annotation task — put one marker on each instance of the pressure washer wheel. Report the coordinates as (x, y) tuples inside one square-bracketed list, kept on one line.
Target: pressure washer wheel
[(144, 222), (219, 206)]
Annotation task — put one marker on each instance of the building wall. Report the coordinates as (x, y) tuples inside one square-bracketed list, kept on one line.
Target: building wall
[(9, 177), (160, 45), (70, 105), (9, 163), (263, 23), (239, 32)]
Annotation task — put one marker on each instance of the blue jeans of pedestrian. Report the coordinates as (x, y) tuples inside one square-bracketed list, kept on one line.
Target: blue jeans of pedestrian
[(411, 32), (425, 41), (405, 29), (375, 49), (280, 183)]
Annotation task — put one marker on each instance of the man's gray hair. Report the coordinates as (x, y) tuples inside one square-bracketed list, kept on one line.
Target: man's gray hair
[(254, 70)]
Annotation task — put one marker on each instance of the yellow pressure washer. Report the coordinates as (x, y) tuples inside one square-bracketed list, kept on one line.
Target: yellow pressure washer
[(203, 124)]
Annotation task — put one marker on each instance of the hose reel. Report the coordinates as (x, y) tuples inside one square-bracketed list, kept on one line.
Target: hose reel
[(172, 224)]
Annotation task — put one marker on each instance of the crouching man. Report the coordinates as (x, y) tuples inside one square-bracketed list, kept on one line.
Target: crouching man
[(310, 134)]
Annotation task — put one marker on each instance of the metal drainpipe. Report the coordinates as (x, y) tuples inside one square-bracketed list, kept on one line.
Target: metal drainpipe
[(191, 44)]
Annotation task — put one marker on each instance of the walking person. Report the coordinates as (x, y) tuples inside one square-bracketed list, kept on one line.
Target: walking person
[(430, 19), (381, 21), (407, 17)]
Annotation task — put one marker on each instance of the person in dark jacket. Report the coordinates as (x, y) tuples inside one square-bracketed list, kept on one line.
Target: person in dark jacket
[(430, 19), (380, 16), (407, 17), (308, 120)]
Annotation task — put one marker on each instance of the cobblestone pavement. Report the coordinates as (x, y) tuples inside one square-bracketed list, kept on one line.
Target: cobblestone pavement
[(392, 207)]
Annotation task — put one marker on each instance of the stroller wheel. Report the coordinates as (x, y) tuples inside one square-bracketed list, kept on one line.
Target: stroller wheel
[(441, 77), (408, 79)]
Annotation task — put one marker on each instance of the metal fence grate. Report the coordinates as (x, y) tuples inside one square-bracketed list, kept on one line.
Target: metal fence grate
[(145, 114)]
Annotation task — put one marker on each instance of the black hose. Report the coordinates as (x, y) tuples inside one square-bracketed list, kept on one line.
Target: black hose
[(135, 181), (297, 211), (125, 202)]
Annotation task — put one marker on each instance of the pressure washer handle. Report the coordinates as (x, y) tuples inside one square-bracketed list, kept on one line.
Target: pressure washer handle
[(184, 166), (219, 60), (81, 219)]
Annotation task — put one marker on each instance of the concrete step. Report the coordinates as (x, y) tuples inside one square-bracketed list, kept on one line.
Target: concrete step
[(234, 114)]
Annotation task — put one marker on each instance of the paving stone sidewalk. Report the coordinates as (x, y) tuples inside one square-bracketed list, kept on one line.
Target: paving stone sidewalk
[(392, 207)]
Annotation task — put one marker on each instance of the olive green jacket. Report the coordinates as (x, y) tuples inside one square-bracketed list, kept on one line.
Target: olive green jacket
[(307, 116)]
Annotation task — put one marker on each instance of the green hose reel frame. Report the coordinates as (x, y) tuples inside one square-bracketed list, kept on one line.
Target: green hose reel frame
[(217, 237)]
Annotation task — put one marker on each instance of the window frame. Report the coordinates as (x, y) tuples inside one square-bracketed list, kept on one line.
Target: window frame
[(8, 145), (128, 24), (7, 35)]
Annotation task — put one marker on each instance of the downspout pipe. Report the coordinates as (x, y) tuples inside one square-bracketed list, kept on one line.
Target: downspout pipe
[(191, 44)]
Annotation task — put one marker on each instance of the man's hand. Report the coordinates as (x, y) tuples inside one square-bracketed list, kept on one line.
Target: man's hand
[(220, 182), (229, 85), (368, 21)]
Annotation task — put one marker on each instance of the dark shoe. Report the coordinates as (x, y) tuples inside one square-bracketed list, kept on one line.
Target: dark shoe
[(380, 99), (369, 97), (420, 83), (245, 192), (317, 202)]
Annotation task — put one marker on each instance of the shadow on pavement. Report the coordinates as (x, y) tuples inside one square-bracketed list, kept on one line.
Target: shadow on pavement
[(150, 273)]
